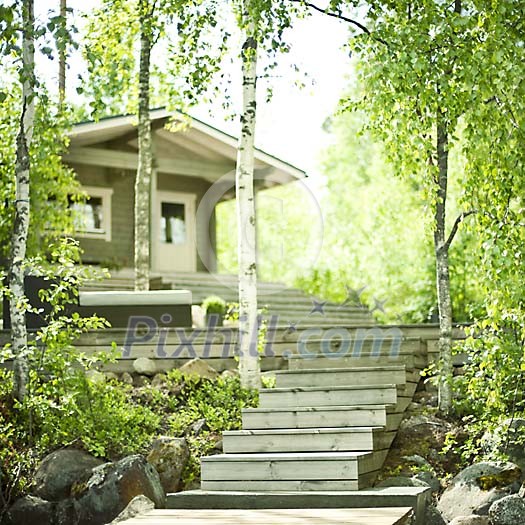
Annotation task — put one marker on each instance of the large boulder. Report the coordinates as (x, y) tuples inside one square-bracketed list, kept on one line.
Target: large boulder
[(59, 470), (29, 510), (433, 516), (509, 510), (508, 439), (169, 456), (477, 487), (403, 481), (198, 367), (145, 366), (470, 520), (113, 485), (137, 506)]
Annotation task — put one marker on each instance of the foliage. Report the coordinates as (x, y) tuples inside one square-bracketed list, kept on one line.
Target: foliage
[(214, 305), (185, 400), (191, 42), (289, 232), (53, 185)]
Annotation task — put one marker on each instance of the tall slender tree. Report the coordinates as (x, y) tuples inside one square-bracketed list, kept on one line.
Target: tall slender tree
[(119, 25), (145, 154), (415, 64), (19, 236), (247, 250), (262, 23)]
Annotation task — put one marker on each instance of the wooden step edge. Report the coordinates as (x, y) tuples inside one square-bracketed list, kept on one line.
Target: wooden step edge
[(340, 370), (338, 408), (327, 389), (290, 456), (305, 431)]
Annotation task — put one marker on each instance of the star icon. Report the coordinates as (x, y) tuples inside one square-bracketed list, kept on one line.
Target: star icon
[(292, 327), (353, 297), (379, 305), (318, 306)]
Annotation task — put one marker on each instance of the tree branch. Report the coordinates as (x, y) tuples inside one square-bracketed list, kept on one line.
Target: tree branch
[(340, 16), (459, 219)]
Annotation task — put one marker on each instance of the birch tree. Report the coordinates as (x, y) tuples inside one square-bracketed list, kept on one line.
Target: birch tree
[(249, 366), (422, 72), (22, 204), (262, 23), (193, 59), (145, 153)]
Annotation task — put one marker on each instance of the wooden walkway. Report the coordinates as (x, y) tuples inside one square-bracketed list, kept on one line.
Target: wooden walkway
[(385, 516)]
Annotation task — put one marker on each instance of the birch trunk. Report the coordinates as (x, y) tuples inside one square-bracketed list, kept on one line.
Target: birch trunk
[(442, 272), (249, 366), (22, 206), (62, 58), (145, 160)]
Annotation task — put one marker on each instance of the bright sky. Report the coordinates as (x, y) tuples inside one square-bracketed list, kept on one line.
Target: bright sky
[(290, 125)]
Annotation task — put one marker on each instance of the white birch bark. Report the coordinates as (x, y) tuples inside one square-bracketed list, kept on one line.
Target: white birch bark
[(22, 206), (145, 160), (442, 273), (249, 366)]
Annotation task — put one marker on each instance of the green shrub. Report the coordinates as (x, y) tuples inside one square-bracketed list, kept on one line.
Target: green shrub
[(214, 305)]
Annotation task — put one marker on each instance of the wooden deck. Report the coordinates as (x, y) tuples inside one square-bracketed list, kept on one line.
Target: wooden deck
[(385, 516)]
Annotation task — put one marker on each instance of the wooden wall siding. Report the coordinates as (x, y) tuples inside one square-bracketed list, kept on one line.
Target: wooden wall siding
[(418, 350), (119, 251), (205, 232)]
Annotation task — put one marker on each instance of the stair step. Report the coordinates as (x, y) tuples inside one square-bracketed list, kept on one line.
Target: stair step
[(295, 467), (313, 417), (280, 485), (357, 439), (381, 394), (357, 376), (414, 497)]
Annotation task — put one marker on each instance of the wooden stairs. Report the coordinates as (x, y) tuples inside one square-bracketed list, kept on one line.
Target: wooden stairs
[(318, 439)]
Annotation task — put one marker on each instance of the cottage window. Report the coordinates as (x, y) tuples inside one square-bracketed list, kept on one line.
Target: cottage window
[(93, 217), (173, 223)]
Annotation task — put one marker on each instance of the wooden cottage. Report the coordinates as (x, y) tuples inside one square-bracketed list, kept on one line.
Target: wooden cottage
[(194, 170)]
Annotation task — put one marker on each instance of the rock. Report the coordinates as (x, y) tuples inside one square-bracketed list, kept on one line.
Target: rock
[(426, 398), (429, 478), (470, 520), (433, 516), (113, 485), (402, 481), (95, 376), (521, 492), (477, 487), (197, 427), (66, 512), (59, 470), (508, 511), (198, 367), (145, 366), (169, 456), (227, 374), (508, 439), (158, 381), (110, 376), (31, 509), (138, 505), (140, 381), (126, 378)]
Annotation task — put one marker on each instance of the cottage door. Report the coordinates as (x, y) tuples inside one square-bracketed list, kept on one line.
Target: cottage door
[(175, 235)]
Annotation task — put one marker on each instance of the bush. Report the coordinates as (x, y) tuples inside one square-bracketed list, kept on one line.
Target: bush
[(214, 305)]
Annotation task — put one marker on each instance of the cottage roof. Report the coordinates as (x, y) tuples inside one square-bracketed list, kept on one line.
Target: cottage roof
[(183, 145)]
